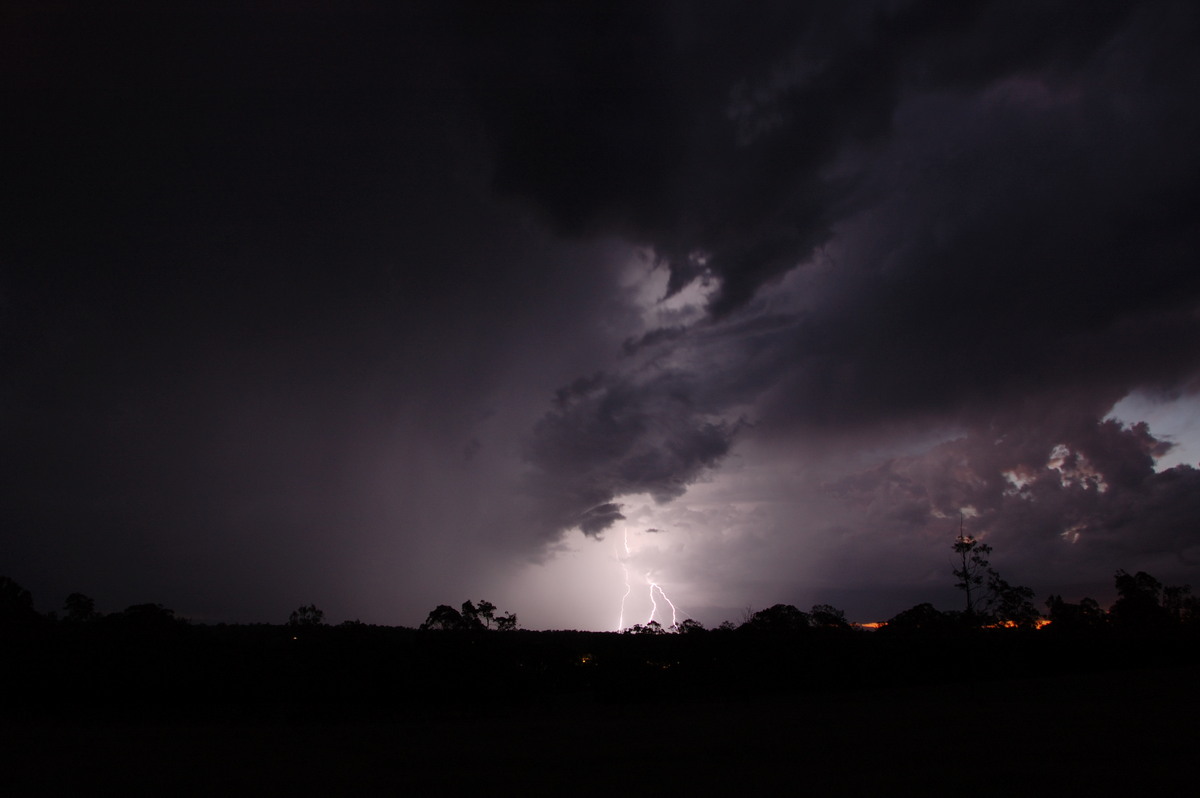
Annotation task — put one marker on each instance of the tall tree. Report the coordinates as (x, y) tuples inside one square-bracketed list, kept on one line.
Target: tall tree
[(479, 616), (988, 595), (973, 568)]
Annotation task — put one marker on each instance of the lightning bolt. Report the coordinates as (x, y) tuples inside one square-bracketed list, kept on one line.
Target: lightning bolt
[(628, 590), (628, 586), (674, 612), (654, 588)]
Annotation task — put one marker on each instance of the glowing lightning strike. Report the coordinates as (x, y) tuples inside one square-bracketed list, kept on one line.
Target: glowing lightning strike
[(628, 587), (654, 586), (674, 612)]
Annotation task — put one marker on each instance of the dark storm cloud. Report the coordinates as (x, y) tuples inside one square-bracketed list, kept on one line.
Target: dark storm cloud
[(278, 300), (979, 207), (709, 133), (609, 436), (1033, 237), (1088, 484)]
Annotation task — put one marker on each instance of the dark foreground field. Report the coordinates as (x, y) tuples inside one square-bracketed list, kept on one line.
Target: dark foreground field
[(1126, 728), (1097, 734)]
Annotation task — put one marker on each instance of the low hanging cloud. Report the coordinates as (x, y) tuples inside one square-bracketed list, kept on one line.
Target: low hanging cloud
[(609, 436)]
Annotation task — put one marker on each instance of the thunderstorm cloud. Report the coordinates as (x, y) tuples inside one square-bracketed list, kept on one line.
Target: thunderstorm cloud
[(376, 306)]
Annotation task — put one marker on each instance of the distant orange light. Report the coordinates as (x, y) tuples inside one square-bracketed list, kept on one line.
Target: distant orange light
[(1038, 624)]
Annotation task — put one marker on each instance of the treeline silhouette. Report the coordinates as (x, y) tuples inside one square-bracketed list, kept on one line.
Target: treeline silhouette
[(146, 660)]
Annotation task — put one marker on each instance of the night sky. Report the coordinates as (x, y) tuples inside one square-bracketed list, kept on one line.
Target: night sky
[(380, 306)]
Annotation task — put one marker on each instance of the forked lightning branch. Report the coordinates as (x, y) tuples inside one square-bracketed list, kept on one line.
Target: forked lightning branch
[(653, 587)]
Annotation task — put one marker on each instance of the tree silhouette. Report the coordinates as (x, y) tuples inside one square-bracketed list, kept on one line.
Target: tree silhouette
[(1011, 605), (922, 618), (444, 618), (973, 568), (1179, 603), (1067, 617), (16, 603), (826, 616), (307, 615), (149, 619), (649, 628), (778, 619), (79, 608), (473, 617), (485, 611), (477, 617), (988, 595), (1139, 602)]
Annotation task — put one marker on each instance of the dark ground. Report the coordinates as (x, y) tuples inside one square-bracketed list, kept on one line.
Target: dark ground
[(1122, 732)]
